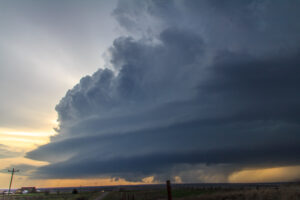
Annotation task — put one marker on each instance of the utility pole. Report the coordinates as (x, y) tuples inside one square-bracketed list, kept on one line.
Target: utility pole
[(169, 190), (11, 178)]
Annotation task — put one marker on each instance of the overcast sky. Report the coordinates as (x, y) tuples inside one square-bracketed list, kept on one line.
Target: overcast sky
[(194, 91), (45, 48)]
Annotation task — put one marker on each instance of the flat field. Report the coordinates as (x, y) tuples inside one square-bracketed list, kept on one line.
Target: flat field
[(284, 192), (179, 192), (46, 196)]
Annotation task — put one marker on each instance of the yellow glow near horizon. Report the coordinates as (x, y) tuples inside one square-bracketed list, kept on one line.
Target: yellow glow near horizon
[(82, 182), (19, 142), (16, 140), (23, 181), (275, 174)]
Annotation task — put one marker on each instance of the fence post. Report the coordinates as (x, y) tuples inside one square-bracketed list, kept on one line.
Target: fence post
[(169, 190)]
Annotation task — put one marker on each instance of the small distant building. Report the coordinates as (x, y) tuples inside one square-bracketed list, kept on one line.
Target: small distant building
[(25, 190)]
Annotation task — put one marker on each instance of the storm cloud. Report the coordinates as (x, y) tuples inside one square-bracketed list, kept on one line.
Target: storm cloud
[(197, 85)]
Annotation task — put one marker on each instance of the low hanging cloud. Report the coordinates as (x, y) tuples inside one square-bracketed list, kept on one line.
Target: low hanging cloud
[(204, 87), (6, 152)]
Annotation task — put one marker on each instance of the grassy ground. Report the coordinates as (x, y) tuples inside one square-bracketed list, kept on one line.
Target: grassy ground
[(284, 192), (280, 193), (156, 194), (62, 196)]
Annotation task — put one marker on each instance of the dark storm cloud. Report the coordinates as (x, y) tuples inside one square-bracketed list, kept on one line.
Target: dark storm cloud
[(191, 88)]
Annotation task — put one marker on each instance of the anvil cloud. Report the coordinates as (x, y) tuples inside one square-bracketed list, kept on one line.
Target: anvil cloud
[(196, 84)]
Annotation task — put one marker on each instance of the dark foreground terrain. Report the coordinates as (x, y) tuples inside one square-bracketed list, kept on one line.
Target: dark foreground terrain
[(223, 192), (179, 192)]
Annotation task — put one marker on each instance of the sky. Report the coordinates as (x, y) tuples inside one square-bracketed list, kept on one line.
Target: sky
[(134, 92)]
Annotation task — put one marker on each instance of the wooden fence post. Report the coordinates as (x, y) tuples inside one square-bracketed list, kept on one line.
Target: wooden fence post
[(169, 190)]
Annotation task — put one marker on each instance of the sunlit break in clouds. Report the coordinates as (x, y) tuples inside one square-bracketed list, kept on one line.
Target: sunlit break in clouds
[(192, 91)]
